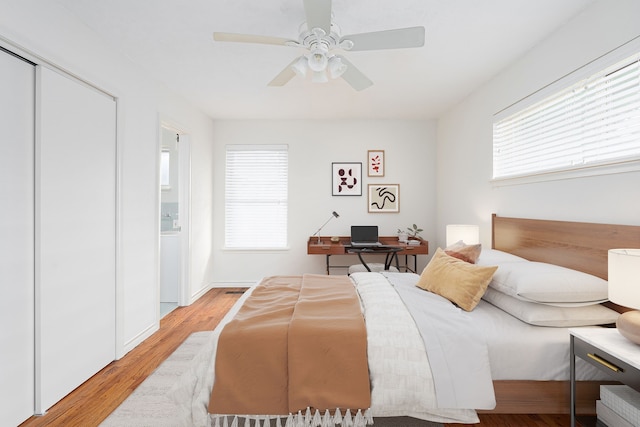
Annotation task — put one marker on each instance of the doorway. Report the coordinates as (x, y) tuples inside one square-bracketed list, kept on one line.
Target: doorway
[(174, 219)]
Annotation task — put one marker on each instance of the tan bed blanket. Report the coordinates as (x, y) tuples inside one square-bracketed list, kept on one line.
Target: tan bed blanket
[(298, 342)]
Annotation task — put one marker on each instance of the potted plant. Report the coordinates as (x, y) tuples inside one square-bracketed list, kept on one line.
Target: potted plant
[(414, 232), (411, 233)]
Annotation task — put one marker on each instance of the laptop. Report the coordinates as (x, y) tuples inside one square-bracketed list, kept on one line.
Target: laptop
[(364, 236)]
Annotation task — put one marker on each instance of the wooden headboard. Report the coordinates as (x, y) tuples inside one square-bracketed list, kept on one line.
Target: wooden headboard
[(578, 245)]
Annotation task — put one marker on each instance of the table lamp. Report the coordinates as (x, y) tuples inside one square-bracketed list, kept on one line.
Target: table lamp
[(334, 214), (624, 289), (469, 234)]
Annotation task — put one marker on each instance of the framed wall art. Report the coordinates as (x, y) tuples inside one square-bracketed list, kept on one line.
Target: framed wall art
[(384, 198), (375, 163), (346, 179)]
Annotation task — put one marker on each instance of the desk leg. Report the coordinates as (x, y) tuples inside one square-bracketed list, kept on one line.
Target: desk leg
[(387, 261), (572, 379), (328, 255), (389, 258), (406, 263), (362, 261)]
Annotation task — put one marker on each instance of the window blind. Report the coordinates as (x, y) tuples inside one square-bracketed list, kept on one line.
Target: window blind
[(256, 191), (594, 122)]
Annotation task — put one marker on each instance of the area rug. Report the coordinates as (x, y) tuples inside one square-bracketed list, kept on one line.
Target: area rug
[(150, 406)]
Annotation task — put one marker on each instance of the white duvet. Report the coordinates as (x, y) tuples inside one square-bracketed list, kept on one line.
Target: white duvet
[(401, 379), (402, 382)]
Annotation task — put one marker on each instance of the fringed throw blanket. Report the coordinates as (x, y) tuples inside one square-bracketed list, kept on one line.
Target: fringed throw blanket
[(297, 347)]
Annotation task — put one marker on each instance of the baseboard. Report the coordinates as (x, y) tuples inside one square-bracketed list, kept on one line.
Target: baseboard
[(200, 293), (229, 284), (135, 341)]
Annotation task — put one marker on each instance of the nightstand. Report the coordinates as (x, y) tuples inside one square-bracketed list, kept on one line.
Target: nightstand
[(608, 351)]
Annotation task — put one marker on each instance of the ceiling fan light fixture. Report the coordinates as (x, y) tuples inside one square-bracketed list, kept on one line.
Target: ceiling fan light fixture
[(320, 36), (317, 60), (336, 67), (319, 77), (300, 66)]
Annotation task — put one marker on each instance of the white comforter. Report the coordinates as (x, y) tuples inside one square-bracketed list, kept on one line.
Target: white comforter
[(401, 379)]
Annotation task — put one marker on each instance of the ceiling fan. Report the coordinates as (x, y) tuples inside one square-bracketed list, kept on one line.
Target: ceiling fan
[(320, 36)]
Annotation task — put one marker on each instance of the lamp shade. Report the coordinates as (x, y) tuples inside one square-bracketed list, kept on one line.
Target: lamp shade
[(317, 60), (469, 234), (624, 277), (319, 77), (300, 66), (336, 67)]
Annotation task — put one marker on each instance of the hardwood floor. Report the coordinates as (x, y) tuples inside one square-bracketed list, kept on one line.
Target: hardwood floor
[(93, 401), (519, 420)]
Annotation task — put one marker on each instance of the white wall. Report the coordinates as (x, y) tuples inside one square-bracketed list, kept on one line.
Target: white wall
[(45, 29), (313, 145), (465, 194)]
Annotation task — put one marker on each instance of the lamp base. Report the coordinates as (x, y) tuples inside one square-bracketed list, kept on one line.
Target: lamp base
[(628, 325)]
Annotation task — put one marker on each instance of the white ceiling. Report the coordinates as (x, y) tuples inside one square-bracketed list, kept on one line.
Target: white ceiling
[(467, 43)]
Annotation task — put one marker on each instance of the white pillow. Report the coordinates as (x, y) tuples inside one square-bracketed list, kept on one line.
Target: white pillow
[(549, 284), (546, 315), (495, 257)]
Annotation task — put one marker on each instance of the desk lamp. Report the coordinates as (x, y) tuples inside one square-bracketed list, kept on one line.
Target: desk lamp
[(334, 214), (624, 289), (469, 234)]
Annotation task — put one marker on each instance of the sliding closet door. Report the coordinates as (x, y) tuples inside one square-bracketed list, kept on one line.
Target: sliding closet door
[(16, 239), (75, 229)]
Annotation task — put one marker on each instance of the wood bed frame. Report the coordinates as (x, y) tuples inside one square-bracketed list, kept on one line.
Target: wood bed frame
[(577, 245)]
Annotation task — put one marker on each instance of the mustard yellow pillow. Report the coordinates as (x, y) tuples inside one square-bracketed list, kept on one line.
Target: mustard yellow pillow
[(456, 280), (460, 250)]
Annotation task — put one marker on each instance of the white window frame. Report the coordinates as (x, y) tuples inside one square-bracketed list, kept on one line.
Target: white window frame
[(256, 197), (608, 166)]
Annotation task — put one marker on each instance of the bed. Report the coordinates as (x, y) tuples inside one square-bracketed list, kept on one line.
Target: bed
[(580, 246), (529, 366)]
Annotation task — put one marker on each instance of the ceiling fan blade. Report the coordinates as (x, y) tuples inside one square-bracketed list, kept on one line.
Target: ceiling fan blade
[(318, 14), (353, 76), (285, 75), (388, 39), (248, 38)]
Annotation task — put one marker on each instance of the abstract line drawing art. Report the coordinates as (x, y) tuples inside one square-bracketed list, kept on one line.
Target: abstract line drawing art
[(384, 198), (346, 179)]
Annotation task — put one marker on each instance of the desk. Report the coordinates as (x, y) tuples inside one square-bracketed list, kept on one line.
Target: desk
[(343, 247)]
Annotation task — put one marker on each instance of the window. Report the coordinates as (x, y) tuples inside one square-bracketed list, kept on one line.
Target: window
[(592, 123), (256, 205)]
